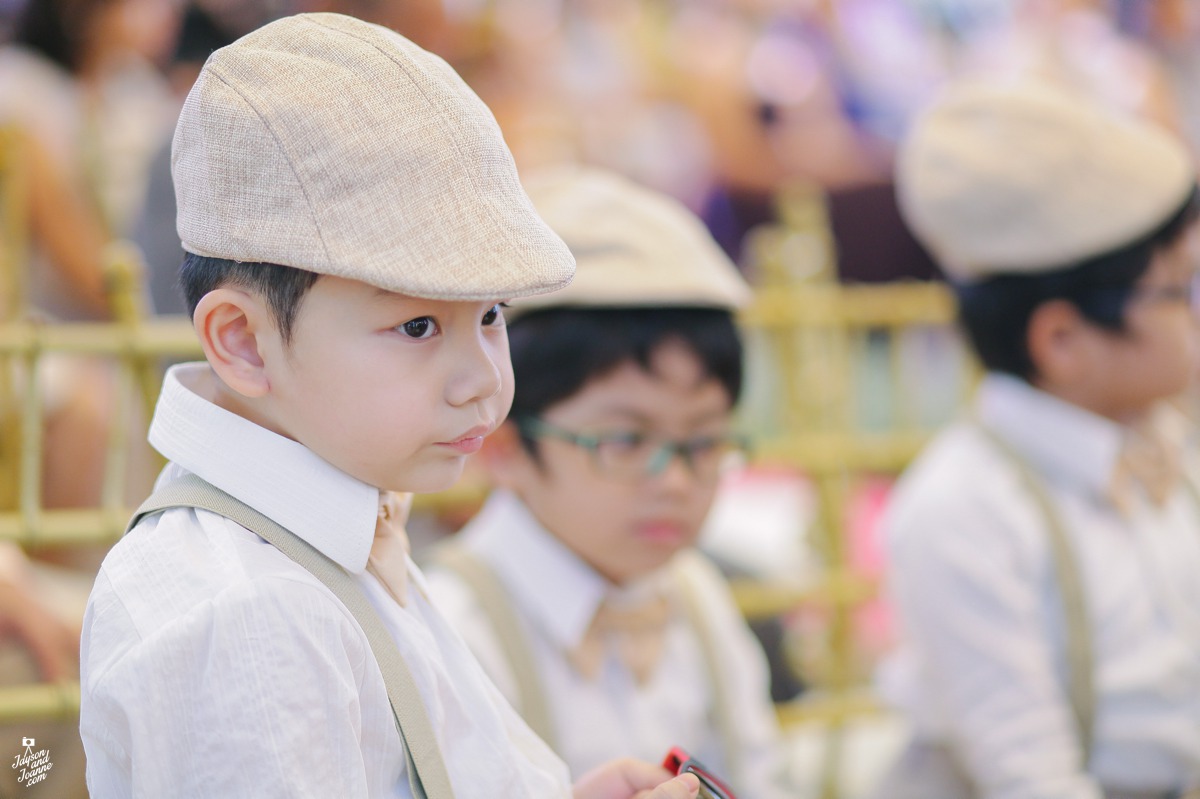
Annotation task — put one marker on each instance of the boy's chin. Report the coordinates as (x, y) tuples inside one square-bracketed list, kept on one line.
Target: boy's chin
[(630, 571), (430, 481)]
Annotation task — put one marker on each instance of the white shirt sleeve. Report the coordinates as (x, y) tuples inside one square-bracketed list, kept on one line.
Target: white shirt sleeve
[(971, 598), (254, 694)]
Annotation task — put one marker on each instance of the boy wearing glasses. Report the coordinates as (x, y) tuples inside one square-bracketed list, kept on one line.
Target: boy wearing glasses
[(577, 585), (1044, 553)]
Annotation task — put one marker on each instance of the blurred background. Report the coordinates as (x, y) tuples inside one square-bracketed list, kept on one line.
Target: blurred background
[(774, 120)]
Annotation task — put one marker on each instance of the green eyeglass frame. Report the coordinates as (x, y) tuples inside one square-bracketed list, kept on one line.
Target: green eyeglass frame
[(631, 454)]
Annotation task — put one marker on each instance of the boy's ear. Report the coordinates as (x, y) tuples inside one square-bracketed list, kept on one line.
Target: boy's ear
[(1059, 343), (233, 326)]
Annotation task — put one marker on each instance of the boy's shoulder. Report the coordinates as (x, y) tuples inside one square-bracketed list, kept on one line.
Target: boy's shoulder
[(959, 480), (959, 456), (189, 578)]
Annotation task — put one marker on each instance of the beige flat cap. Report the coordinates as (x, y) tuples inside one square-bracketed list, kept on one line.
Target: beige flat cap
[(633, 247), (999, 178), (329, 144)]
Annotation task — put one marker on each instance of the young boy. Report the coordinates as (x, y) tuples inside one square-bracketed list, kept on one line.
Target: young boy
[(1044, 552), (352, 220), (577, 586)]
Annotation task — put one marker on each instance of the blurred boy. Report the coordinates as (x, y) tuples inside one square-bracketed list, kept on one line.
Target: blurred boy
[(577, 585), (1044, 553), (352, 220)]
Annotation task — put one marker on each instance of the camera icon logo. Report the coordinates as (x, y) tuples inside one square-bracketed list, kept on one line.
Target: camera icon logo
[(28, 742)]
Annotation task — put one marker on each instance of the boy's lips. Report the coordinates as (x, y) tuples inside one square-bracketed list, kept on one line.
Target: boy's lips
[(470, 441), (662, 531)]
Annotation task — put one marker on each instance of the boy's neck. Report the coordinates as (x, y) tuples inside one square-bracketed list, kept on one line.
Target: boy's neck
[(250, 410), (1082, 397)]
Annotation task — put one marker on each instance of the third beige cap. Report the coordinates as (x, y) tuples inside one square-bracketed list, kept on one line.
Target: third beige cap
[(328, 144), (1019, 177)]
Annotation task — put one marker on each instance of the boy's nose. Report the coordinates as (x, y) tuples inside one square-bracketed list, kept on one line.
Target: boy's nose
[(673, 471), (479, 375)]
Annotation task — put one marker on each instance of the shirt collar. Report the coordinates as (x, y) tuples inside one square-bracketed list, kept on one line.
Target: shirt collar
[(560, 591), (1062, 441), (276, 476)]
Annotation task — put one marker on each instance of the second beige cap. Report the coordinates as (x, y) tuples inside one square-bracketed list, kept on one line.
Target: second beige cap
[(634, 247)]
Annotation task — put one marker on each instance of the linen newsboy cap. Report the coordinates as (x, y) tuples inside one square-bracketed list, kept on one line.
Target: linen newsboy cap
[(633, 247), (329, 144), (1020, 177)]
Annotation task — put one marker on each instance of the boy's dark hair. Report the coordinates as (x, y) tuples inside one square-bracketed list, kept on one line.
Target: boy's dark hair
[(283, 287), (995, 312), (557, 351)]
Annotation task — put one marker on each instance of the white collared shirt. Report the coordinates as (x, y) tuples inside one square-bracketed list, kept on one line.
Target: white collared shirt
[(555, 596), (973, 581), (213, 665)]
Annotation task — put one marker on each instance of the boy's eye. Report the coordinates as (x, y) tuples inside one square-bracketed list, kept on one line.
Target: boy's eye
[(494, 314), (623, 442), (421, 327)]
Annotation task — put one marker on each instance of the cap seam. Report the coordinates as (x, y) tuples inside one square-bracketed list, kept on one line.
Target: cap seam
[(446, 129), (216, 73)]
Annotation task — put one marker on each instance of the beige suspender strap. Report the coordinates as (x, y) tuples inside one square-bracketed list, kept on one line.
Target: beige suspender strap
[(427, 775), (698, 619), (534, 706), (1081, 686), (498, 608)]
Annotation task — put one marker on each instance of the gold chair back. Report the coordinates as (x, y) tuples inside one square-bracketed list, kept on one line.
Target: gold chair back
[(845, 383)]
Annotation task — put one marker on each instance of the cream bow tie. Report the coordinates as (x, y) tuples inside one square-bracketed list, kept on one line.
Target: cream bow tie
[(388, 560), (637, 632), (1148, 462)]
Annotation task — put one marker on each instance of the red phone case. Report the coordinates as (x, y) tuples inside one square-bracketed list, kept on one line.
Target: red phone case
[(678, 761)]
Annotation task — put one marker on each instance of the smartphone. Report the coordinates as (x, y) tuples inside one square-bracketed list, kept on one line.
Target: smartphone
[(678, 761)]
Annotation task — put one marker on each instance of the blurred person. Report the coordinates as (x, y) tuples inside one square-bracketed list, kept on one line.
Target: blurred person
[(79, 85), (41, 605), (578, 83), (1078, 44), (769, 89), (39, 642), (717, 105), (81, 79), (63, 233), (1042, 554), (578, 586), (85, 104), (1172, 29), (891, 59), (71, 102)]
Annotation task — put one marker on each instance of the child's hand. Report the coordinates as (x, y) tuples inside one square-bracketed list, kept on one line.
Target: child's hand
[(634, 779), (685, 786)]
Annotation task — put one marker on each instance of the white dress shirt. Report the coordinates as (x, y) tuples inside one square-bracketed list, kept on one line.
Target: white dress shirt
[(983, 663), (213, 665), (555, 596)]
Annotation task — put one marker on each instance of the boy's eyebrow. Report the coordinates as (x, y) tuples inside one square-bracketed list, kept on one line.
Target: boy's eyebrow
[(383, 296)]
